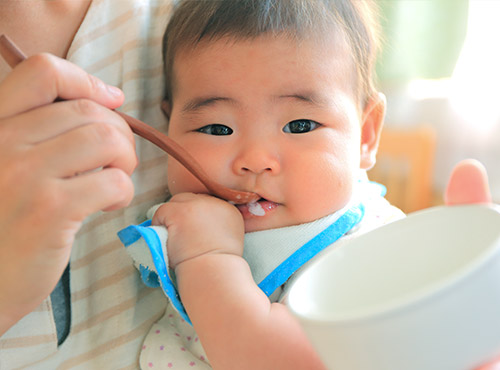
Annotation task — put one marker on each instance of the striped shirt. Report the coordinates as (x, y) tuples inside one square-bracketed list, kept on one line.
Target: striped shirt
[(111, 310)]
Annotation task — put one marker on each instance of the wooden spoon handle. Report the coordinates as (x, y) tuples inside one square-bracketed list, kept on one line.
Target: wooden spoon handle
[(10, 52), (171, 147)]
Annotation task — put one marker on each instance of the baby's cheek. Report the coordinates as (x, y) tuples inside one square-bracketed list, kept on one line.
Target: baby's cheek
[(181, 180), (324, 193)]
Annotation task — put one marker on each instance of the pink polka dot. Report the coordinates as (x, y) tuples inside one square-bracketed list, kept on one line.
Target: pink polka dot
[(170, 315), (188, 338), (170, 364), (183, 349), (150, 364), (157, 331), (196, 339), (162, 348), (144, 347), (177, 335), (192, 363), (202, 358)]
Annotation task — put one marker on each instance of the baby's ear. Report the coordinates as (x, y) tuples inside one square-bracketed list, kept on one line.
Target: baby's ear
[(372, 122), (165, 107)]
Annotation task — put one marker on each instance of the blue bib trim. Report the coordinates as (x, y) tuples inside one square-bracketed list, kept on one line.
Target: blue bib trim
[(133, 233), (305, 253)]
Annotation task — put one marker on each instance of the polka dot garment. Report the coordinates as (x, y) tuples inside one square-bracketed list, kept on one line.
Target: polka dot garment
[(173, 344)]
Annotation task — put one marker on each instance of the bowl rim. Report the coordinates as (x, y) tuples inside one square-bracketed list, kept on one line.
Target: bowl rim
[(412, 301)]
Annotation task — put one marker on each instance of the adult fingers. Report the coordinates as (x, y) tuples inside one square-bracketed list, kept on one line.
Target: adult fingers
[(51, 120), (106, 190), (86, 148), (493, 365), (42, 78), (468, 183)]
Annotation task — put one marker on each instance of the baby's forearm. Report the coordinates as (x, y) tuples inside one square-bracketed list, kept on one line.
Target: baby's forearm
[(237, 325)]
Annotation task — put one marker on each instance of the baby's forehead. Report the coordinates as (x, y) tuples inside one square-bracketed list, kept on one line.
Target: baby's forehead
[(313, 49), (331, 34)]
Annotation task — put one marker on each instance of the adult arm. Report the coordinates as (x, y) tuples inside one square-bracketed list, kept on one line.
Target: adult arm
[(60, 163)]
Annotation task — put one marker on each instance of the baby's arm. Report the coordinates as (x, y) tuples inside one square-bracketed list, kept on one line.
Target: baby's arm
[(236, 322)]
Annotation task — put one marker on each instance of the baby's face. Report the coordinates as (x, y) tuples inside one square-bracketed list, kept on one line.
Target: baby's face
[(270, 116)]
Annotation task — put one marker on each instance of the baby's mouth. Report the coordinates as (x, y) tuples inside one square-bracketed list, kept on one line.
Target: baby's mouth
[(257, 209)]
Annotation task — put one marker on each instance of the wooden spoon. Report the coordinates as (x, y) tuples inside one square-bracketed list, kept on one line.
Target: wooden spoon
[(13, 56)]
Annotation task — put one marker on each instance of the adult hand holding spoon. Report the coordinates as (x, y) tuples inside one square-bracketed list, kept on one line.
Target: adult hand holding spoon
[(42, 146), (14, 56)]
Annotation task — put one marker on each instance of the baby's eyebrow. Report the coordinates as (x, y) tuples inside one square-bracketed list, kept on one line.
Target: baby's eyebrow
[(200, 102), (310, 98), (196, 104)]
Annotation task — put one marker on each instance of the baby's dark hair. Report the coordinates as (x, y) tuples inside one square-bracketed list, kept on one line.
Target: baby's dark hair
[(194, 21)]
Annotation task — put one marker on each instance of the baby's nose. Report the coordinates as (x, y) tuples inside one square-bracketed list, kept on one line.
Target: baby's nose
[(257, 158)]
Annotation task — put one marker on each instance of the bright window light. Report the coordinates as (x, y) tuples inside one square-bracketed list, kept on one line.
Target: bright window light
[(475, 92), (430, 89)]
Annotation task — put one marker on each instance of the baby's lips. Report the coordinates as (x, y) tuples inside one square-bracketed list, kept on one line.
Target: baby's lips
[(257, 209)]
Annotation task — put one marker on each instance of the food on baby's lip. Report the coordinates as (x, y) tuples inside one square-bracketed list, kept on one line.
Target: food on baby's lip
[(259, 208), (256, 209)]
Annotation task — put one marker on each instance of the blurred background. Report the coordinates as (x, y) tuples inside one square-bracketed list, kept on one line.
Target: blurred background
[(439, 68)]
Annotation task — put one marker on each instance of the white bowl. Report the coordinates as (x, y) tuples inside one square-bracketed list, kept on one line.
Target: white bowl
[(421, 293)]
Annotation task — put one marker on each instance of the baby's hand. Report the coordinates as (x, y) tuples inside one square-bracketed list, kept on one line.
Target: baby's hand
[(198, 225)]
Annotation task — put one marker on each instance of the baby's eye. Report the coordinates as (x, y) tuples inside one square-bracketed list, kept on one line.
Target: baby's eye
[(300, 126), (216, 129)]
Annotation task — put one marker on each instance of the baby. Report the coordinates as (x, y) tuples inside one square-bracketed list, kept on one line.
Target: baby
[(273, 97)]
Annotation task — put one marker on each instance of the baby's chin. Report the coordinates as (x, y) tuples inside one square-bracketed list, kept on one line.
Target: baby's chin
[(253, 226), (257, 225), (274, 219), (278, 217)]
